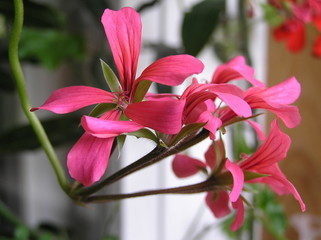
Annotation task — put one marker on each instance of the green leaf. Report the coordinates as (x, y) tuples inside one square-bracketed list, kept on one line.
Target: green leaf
[(144, 133), (120, 143), (272, 15), (110, 77), (186, 130), (252, 175), (141, 90), (200, 23), (50, 47), (273, 217), (61, 131), (21, 233), (101, 109)]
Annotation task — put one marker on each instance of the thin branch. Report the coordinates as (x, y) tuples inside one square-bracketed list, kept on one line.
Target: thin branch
[(156, 155), (205, 186)]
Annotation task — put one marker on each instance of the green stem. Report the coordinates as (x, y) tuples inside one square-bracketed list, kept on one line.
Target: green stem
[(244, 31), (157, 154), (8, 215), (22, 91), (206, 186)]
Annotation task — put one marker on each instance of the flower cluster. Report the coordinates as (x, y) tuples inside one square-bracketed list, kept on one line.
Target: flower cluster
[(172, 120), (296, 15)]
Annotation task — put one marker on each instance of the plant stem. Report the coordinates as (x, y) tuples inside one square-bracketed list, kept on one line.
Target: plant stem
[(244, 31), (23, 97), (157, 154), (7, 214), (208, 185)]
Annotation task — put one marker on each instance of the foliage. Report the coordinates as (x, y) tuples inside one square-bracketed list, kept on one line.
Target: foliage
[(200, 23), (50, 48)]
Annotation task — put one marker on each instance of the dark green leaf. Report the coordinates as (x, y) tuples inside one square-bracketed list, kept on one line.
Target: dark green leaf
[(36, 14), (141, 90), (101, 109), (186, 130), (49, 47), (199, 24), (110, 77), (252, 175), (61, 131), (144, 133)]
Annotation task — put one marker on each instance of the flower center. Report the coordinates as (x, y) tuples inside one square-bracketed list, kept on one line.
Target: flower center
[(122, 100)]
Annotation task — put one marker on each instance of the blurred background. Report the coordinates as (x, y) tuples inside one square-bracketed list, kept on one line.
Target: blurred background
[(61, 45)]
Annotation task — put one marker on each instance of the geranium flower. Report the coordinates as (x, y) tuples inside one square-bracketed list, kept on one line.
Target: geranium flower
[(88, 159), (217, 201), (264, 163), (200, 106), (276, 99)]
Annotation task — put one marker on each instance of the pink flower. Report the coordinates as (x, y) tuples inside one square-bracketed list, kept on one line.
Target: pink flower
[(276, 99), (218, 201), (88, 159), (263, 162), (200, 106), (235, 69)]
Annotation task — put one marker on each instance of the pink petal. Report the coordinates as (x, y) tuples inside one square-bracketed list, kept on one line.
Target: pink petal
[(211, 154), (163, 115), (238, 105), (238, 179), (273, 150), (88, 158), (235, 69), (185, 166), (172, 70), (232, 96), (107, 128), (290, 115), (212, 125), (218, 203), (295, 193), (285, 92), (239, 218), (280, 184), (198, 110), (258, 129), (70, 99), (123, 30)]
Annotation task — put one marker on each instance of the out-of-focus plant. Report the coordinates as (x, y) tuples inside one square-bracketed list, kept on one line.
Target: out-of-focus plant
[(290, 19)]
